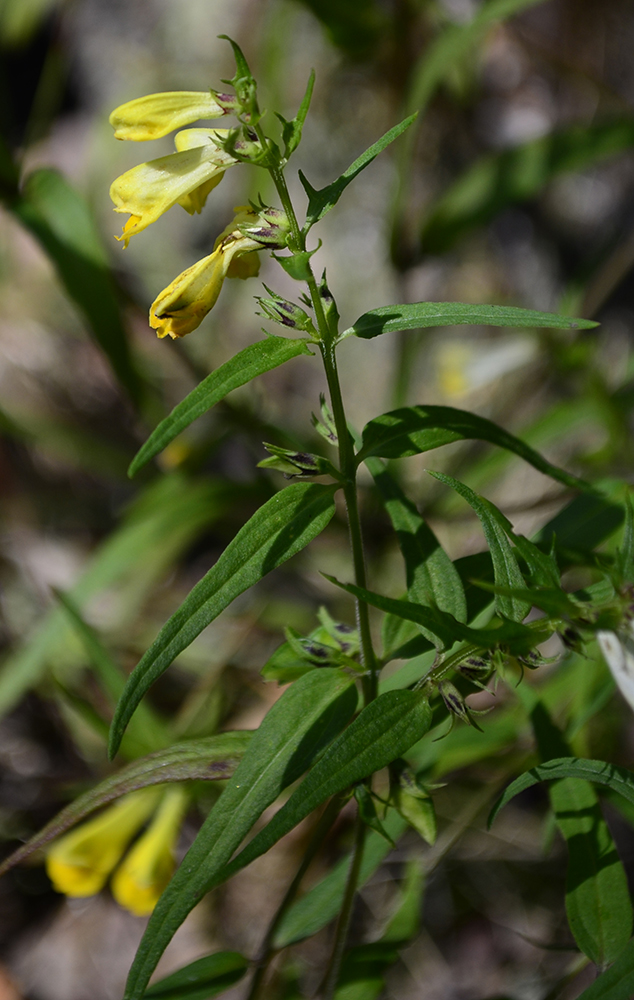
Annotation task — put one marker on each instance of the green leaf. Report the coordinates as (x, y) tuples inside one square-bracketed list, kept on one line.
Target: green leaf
[(213, 758), (417, 315), (582, 524), (599, 772), (598, 903), (519, 637), (244, 366), (496, 527), (362, 971), (517, 174), (322, 903), (283, 526), (415, 429), (202, 979), (59, 218), (405, 921), (292, 130), (431, 576), (205, 978), (320, 202), (298, 726), (617, 982)]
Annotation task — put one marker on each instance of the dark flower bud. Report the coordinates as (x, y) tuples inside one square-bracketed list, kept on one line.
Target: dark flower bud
[(297, 463)]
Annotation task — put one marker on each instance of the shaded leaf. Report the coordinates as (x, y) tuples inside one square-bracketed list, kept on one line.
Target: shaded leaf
[(617, 982), (415, 429), (431, 576), (292, 130), (445, 626), (418, 315), (244, 366), (505, 568), (59, 218), (322, 903), (517, 174), (213, 758), (283, 526), (202, 979)]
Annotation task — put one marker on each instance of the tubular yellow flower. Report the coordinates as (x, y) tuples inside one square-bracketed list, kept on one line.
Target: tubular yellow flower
[(154, 116), (147, 191), (79, 863), (141, 877), (183, 305)]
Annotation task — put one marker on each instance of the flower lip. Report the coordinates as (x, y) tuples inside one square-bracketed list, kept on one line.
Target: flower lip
[(155, 115)]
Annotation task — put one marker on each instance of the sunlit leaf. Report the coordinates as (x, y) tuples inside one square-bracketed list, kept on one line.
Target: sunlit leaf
[(283, 526), (415, 429), (417, 315)]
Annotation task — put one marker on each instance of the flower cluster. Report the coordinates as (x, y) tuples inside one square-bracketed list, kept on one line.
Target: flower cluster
[(81, 862), (186, 178)]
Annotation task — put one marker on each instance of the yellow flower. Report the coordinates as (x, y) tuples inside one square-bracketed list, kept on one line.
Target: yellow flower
[(183, 305), (147, 191), (79, 863), (145, 871), (154, 116)]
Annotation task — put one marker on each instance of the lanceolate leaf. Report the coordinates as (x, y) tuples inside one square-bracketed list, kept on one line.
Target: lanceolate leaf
[(214, 758), (597, 896), (244, 366), (495, 526), (415, 429), (617, 982), (284, 525), (445, 627), (304, 720), (415, 316), (599, 772), (202, 979), (320, 202), (431, 576)]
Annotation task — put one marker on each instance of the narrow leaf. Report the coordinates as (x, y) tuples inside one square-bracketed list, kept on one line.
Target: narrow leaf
[(283, 526), (415, 429), (599, 772), (519, 637), (292, 130), (617, 982), (298, 726), (417, 315), (431, 576), (244, 366), (320, 202), (214, 758), (505, 568), (203, 979)]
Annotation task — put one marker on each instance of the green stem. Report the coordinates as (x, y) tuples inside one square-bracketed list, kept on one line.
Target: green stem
[(267, 951), (347, 458), (345, 915)]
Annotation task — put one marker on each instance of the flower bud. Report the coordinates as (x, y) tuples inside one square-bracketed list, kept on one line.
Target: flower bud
[(296, 463), (286, 313)]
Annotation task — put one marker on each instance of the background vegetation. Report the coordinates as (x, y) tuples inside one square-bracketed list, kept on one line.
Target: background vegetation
[(516, 186)]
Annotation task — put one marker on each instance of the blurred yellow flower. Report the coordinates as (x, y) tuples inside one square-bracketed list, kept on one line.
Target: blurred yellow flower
[(145, 871), (155, 115), (148, 190), (183, 305), (79, 863)]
